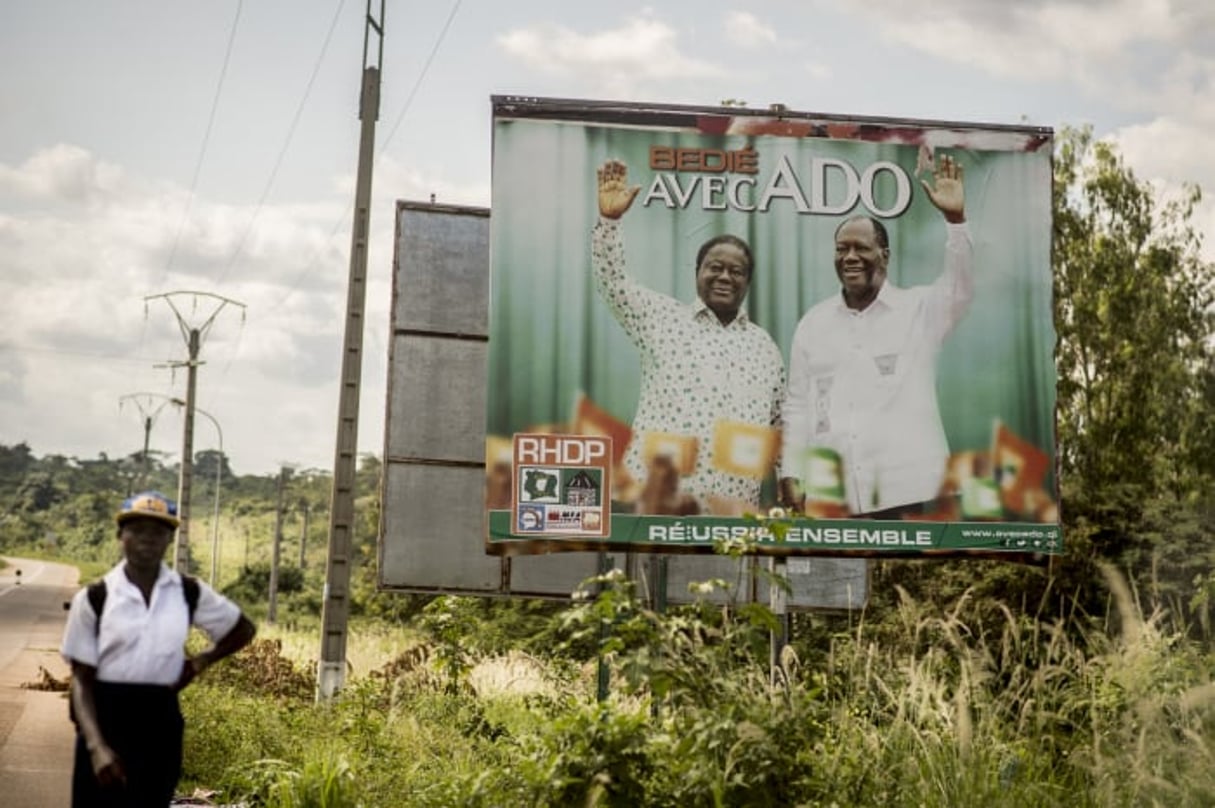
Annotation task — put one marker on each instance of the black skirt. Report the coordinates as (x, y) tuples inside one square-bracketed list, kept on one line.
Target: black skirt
[(143, 725)]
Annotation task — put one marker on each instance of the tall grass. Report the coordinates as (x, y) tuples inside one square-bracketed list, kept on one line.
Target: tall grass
[(931, 707)]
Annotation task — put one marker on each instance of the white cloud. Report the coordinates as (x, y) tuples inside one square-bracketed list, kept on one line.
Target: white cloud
[(61, 173), (1187, 87), (84, 246), (1047, 39), (1109, 48), (1154, 58), (1170, 153), (641, 50), (1168, 149), (746, 30), (409, 182)]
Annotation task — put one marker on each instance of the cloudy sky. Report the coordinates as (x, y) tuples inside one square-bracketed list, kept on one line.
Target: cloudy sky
[(150, 148)]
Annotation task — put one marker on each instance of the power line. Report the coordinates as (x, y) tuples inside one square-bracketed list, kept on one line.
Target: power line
[(240, 246), (13, 346), (311, 264), (202, 152), (455, 7), (278, 162)]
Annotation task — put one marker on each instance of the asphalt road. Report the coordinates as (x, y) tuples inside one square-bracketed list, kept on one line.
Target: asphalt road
[(36, 736)]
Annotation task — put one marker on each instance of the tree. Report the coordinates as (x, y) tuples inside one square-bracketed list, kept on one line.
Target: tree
[(205, 463), (367, 478), (1133, 303), (1136, 396), (15, 461)]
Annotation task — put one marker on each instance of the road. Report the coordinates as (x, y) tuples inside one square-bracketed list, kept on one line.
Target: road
[(35, 735)]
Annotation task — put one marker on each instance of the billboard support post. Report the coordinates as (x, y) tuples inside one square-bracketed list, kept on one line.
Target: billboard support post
[(779, 602), (603, 675)]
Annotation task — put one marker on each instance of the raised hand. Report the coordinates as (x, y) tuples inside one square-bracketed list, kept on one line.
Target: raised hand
[(946, 191), (615, 194)]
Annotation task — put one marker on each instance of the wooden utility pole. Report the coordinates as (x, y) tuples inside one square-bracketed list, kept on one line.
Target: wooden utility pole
[(304, 535), (335, 612), (193, 336), (272, 611)]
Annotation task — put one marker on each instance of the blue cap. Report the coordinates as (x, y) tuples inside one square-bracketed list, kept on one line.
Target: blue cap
[(148, 505)]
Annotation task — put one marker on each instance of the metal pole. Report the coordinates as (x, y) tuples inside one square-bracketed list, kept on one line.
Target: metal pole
[(603, 674), (331, 669), (658, 597), (779, 600), (147, 438), (304, 535), (185, 480), (219, 468), (272, 613)]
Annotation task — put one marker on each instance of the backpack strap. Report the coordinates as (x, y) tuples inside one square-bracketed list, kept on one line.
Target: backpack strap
[(96, 596), (189, 588)]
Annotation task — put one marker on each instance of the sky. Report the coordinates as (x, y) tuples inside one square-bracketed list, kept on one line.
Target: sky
[(175, 166)]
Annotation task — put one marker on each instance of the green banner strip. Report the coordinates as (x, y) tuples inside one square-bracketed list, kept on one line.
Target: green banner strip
[(844, 536)]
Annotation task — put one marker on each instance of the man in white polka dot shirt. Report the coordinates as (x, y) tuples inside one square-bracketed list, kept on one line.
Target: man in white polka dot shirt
[(702, 364)]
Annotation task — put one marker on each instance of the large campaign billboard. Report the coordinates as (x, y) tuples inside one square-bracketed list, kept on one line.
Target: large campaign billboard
[(432, 536), (818, 334)]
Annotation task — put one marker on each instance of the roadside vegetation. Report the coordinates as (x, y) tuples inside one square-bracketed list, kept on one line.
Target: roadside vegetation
[(937, 705), (1087, 682)]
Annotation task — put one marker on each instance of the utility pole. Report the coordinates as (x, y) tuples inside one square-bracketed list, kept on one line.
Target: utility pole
[(193, 336), (304, 535), (148, 415), (331, 670), (219, 463), (272, 612)]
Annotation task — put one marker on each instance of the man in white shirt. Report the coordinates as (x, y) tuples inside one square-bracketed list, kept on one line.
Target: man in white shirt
[(128, 662), (702, 363), (862, 369)]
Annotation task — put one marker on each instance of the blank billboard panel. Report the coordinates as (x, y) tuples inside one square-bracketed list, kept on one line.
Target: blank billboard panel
[(431, 540), (454, 241), (435, 398)]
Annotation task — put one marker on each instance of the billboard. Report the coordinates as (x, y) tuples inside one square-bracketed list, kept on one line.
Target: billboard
[(824, 335), (432, 534)]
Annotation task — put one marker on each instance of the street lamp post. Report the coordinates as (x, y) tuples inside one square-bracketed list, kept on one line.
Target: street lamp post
[(219, 467)]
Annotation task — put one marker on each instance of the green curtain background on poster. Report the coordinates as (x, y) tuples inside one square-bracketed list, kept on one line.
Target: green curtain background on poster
[(551, 337)]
